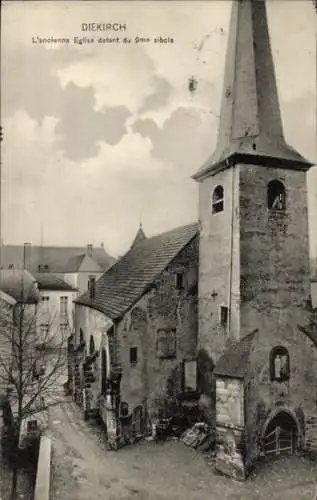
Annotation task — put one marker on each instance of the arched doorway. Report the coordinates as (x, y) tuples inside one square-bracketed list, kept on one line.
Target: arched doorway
[(280, 434)]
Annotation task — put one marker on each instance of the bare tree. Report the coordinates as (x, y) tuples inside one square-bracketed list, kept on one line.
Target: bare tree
[(32, 361)]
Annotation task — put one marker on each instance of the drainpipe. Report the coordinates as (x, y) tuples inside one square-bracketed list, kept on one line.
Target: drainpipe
[(231, 253)]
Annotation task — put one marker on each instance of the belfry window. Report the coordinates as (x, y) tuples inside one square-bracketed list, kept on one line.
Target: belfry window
[(217, 200), (276, 196), (279, 364)]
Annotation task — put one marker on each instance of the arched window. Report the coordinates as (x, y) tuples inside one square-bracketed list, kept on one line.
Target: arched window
[(276, 196), (279, 364), (91, 345), (103, 371), (81, 336), (217, 200)]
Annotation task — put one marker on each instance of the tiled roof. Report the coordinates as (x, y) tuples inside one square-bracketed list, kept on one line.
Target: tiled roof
[(128, 279), (234, 361), (71, 265), (14, 282), (47, 281), (58, 259)]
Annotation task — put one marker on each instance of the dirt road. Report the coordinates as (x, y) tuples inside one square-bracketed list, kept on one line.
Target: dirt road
[(84, 470)]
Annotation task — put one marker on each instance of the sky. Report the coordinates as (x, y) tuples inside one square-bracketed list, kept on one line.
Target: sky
[(98, 137)]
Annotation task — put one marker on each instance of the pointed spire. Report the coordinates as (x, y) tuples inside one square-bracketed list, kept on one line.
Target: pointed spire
[(250, 125), (140, 236)]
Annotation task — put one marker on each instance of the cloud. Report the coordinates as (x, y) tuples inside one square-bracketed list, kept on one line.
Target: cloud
[(197, 130), (159, 96), (80, 128), (79, 201)]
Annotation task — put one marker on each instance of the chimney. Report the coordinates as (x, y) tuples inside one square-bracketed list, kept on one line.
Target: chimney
[(89, 249), (92, 287), (27, 256)]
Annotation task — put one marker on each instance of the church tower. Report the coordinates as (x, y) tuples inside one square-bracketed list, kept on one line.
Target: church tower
[(254, 249)]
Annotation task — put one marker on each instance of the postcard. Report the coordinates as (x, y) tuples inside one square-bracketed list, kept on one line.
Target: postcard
[(158, 249)]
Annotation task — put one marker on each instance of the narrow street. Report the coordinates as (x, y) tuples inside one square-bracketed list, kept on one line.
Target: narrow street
[(83, 469)]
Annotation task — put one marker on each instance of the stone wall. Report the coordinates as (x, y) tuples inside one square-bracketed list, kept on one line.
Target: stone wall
[(255, 260), (297, 395), (90, 323), (229, 427), (219, 274), (152, 379), (230, 402), (274, 251)]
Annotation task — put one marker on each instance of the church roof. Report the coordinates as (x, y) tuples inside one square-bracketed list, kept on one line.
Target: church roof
[(131, 276), (250, 125), (235, 360)]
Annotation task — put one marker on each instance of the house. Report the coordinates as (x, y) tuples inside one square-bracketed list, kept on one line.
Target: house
[(21, 354), (55, 312), (72, 264), (254, 286), (20, 285), (134, 331)]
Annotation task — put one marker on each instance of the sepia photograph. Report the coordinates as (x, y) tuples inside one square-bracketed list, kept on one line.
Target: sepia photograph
[(158, 250)]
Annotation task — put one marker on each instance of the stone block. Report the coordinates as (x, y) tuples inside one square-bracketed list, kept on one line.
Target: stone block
[(230, 466)]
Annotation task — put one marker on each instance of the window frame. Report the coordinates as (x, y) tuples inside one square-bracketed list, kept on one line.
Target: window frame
[(64, 329), (63, 304), (224, 321), (218, 200), (275, 189), (45, 303), (179, 280), (133, 359), (165, 347), (45, 326), (279, 351), (92, 347)]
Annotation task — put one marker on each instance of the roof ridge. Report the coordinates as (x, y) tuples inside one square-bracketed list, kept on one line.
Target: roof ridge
[(192, 224), (130, 277)]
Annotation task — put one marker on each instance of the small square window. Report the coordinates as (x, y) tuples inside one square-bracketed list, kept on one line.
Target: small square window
[(32, 426), (133, 355), (224, 315)]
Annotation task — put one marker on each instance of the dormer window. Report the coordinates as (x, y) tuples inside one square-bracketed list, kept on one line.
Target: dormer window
[(217, 200), (276, 196)]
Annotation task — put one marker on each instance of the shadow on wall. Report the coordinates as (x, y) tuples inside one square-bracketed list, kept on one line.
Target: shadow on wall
[(206, 384)]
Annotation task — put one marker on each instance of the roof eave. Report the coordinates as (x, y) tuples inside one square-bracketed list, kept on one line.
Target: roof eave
[(210, 168)]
